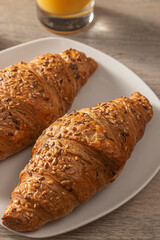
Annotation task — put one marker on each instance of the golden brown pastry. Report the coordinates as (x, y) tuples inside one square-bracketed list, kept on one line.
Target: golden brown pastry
[(74, 158), (34, 94)]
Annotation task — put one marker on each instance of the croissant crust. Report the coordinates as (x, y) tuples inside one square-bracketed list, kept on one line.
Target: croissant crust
[(74, 158), (35, 94)]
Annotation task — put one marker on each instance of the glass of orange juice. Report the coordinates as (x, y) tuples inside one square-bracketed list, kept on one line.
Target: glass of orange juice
[(65, 16)]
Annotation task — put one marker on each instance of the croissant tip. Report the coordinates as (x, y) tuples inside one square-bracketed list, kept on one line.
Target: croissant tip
[(8, 221), (136, 94), (93, 65), (13, 223)]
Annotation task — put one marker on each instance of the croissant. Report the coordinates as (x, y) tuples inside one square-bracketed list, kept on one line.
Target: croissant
[(74, 158), (35, 94)]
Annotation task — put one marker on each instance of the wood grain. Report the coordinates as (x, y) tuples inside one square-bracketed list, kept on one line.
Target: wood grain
[(130, 32)]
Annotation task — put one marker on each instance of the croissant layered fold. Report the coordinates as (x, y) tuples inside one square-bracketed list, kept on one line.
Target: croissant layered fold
[(35, 94), (74, 158)]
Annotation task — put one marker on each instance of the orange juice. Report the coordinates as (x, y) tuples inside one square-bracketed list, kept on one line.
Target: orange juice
[(63, 7), (65, 16)]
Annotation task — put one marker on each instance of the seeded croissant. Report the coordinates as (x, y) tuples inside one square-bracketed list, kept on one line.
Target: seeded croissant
[(74, 158), (35, 94)]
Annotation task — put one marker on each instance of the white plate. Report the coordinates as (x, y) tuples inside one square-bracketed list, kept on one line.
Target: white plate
[(111, 80)]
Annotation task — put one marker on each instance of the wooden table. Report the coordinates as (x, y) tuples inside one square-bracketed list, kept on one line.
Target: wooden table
[(130, 32)]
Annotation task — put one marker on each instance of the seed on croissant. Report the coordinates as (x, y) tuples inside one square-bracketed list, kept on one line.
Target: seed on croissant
[(37, 93), (87, 158)]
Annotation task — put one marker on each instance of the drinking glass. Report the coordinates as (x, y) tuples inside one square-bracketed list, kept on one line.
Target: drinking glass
[(65, 16)]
